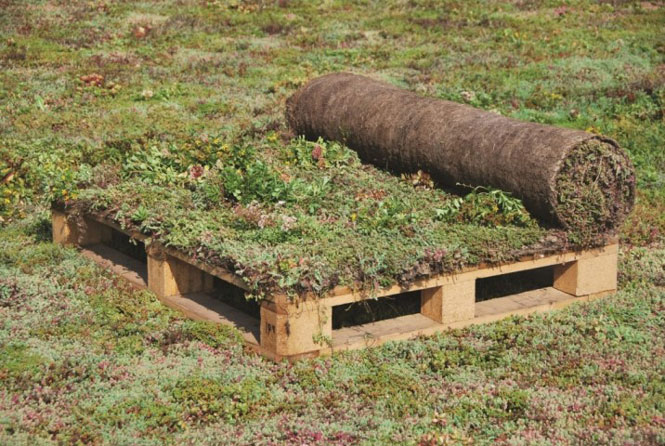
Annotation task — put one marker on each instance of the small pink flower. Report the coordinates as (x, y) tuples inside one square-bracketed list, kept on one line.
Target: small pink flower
[(561, 10), (317, 153), (195, 172)]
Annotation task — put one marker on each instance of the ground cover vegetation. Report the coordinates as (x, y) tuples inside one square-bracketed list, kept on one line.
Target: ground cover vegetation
[(84, 359), (159, 110)]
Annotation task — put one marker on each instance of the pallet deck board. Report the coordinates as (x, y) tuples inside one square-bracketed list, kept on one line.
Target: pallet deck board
[(302, 327), (204, 307), (134, 271), (378, 332), (414, 325), (519, 301)]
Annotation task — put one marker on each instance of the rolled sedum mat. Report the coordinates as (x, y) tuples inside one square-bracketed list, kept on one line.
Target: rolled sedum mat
[(570, 178)]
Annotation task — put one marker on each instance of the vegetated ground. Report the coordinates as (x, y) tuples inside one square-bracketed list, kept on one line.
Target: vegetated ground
[(137, 99)]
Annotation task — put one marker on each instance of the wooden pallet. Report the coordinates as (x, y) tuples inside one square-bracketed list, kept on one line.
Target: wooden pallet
[(303, 328)]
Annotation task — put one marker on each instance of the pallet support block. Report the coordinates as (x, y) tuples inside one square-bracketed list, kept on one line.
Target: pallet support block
[(452, 302), (94, 233), (295, 329), (66, 231), (168, 276), (588, 275)]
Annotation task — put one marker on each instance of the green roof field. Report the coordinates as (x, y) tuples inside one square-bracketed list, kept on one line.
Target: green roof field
[(167, 117)]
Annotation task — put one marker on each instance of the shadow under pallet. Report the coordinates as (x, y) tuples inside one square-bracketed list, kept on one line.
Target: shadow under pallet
[(281, 328)]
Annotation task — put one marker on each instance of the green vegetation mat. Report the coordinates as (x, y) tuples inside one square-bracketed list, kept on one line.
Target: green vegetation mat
[(305, 216), (121, 105)]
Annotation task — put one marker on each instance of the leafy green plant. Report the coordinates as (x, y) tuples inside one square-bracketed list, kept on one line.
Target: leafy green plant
[(384, 214), (209, 192), (254, 181), (42, 176), (13, 188), (487, 207), (155, 166), (320, 154), (140, 214)]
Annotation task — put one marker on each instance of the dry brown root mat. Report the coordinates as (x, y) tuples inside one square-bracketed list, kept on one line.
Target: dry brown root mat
[(569, 178)]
